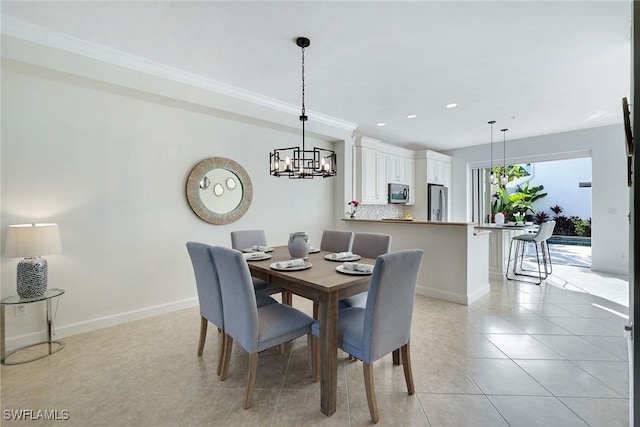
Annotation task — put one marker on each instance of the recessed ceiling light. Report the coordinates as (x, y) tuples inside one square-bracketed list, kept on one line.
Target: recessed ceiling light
[(411, 116), (382, 124), (452, 105)]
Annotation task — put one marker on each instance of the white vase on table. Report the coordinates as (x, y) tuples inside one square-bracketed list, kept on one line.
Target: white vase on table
[(298, 245)]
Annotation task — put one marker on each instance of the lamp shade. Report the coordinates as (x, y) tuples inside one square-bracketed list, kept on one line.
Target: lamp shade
[(32, 240)]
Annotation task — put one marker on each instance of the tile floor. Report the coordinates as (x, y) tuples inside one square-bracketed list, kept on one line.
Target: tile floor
[(524, 355)]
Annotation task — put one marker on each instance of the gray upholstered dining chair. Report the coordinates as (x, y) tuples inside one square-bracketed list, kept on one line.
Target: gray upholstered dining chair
[(384, 325), (367, 245), (243, 239), (539, 239), (336, 241), (209, 295), (254, 328)]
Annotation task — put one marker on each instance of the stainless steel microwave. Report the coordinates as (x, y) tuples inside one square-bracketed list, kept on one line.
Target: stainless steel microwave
[(398, 193)]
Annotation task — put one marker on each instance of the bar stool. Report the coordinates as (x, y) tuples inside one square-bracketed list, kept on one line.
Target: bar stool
[(539, 239)]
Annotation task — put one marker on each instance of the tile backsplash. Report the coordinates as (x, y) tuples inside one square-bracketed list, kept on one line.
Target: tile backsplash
[(380, 211)]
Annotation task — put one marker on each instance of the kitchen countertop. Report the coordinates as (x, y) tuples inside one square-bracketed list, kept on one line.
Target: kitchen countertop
[(503, 226), (409, 221)]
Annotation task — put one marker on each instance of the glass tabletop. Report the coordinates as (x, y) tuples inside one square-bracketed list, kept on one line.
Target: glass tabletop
[(49, 293)]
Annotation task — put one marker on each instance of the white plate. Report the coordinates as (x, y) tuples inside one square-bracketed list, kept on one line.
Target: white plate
[(341, 269), (314, 250), (354, 257), (249, 250), (296, 268), (266, 256)]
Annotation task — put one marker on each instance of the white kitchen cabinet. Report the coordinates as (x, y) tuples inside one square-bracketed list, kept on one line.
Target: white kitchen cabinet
[(377, 165), (399, 169), (410, 168), (371, 178), (431, 167), (438, 172)]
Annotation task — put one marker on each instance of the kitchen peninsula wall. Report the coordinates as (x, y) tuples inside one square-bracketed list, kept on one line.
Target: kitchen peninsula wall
[(456, 257)]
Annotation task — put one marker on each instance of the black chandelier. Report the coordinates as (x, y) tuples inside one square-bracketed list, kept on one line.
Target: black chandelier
[(299, 163)]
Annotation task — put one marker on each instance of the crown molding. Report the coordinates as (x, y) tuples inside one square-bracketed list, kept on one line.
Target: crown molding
[(53, 39)]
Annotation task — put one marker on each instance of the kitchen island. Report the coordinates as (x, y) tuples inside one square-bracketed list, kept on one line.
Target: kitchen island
[(454, 267), (499, 242)]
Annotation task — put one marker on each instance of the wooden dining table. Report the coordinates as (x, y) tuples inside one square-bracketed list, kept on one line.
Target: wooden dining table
[(323, 284)]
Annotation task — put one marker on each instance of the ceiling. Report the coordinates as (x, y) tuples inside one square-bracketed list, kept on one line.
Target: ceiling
[(536, 67)]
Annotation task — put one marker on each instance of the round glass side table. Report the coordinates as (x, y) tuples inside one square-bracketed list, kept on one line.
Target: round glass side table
[(14, 300)]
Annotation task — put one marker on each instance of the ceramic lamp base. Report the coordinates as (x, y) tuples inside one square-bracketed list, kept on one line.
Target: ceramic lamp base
[(32, 277)]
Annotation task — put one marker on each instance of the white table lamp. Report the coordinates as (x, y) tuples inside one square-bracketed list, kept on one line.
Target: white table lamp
[(31, 241)]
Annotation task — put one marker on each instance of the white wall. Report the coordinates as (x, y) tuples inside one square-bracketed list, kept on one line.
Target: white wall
[(610, 195), (109, 164), (561, 179)]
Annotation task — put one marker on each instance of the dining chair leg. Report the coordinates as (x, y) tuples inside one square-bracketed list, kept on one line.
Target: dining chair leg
[(406, 363), (371, 393), (315, 358), (251, 381), (228, 345), (396, 356), (312, 347), (203, 334), (222, 341)]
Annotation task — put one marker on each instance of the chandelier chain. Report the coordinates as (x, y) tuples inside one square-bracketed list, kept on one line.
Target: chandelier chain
[(303, 109)]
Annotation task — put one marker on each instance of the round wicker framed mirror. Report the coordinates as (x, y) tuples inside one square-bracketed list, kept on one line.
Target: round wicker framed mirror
[(219, 190)]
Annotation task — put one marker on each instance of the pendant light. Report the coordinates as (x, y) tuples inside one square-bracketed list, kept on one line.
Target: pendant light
[(297, 163), (503, 172), (492, 177)]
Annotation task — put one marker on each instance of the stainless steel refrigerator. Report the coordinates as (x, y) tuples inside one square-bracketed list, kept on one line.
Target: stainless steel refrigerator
[(437, 202)]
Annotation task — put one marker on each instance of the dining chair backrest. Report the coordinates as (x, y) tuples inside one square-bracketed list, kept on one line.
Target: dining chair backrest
[(207, 282), (336, 241), (545, 231), (387, 322), (243, 239), (371, 245), (241, 314)]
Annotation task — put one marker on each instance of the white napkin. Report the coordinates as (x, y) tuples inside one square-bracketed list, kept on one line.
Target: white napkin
[(365, 268), (291, 263), (260, 248), (251, 255), (341, 255)]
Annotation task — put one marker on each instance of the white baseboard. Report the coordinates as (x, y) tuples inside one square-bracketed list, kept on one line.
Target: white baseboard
[(450, 296), (62, 331), (440, 294), (478, 294), (622, 270)]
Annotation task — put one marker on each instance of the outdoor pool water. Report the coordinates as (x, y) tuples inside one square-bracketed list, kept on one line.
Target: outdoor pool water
[(570, 240)]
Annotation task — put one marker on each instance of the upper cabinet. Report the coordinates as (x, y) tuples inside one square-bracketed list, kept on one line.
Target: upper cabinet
[(371, 178), (378, 164), (438, 168), (400, 169)]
